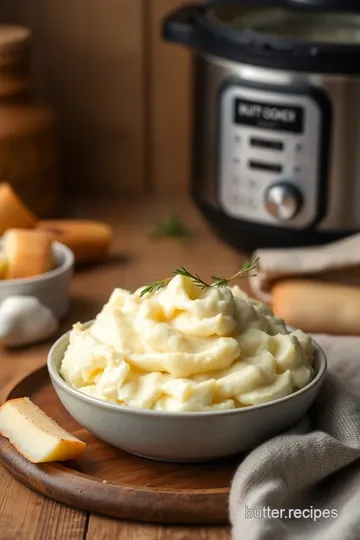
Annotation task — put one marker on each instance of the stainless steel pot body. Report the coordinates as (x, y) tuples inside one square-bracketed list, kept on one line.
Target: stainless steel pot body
[(316, 170)]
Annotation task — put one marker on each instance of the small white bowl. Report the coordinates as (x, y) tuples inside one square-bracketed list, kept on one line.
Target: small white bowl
[(182, 437), (51, 289)]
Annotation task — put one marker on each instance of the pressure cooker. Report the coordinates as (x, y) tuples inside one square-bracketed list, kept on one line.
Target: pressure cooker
[(276, 116)]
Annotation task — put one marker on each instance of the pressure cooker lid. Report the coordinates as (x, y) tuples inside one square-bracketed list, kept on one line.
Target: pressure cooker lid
[(309, 25), (321, 36)]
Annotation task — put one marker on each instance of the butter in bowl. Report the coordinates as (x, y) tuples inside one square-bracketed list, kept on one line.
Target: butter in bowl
[(34, 286), (186, 371), (36, 264)]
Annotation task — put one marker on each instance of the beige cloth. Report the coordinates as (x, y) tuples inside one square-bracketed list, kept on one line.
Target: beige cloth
[(337, 262), (314, 465)]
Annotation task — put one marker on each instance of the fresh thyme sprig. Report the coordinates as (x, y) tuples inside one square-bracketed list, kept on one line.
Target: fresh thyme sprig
[(195, 277), (243, 272), (155, 286)]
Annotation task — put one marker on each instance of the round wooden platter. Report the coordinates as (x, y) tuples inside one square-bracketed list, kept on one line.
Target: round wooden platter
[(114, 483)]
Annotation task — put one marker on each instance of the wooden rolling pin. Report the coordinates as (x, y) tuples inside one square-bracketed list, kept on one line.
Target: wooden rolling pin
[(318, 307)]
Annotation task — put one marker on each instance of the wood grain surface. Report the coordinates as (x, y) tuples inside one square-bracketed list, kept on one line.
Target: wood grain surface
[(25, 515), (114, 483), (104, 529), (136, 258)]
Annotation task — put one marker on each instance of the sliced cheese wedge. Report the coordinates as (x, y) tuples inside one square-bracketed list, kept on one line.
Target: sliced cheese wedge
[(36, 436)]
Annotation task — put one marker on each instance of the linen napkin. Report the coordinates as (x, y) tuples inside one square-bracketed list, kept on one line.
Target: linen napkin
[(337, 262), (313, 467)]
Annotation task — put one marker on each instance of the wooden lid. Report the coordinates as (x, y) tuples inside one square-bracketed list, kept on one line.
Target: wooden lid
[(14, 62), (13, 38), (14, 46)]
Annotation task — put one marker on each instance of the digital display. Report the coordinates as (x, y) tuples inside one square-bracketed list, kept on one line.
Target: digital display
[(269, 116), (266, 167), (267, 144)]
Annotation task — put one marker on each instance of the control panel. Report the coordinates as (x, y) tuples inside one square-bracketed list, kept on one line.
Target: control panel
[(269, 156)]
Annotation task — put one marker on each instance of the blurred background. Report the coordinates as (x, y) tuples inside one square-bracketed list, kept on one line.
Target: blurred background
[(95, 103), (120, 94)]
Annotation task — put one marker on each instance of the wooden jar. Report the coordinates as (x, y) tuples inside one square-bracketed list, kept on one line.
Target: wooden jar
[(28, 142)]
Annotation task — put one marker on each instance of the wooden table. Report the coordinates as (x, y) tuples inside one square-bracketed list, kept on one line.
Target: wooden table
[(136, 259)]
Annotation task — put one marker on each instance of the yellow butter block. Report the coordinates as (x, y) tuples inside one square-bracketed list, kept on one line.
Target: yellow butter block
[(36, 436)]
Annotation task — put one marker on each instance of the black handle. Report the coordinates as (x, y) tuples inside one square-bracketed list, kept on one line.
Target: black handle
[(178, 26), (324, 5)]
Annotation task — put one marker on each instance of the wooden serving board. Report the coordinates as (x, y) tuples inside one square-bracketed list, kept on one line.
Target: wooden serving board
[(114, 483)]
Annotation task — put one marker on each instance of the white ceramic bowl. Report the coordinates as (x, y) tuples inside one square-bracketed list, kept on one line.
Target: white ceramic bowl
[(51, 288), (182, 437)]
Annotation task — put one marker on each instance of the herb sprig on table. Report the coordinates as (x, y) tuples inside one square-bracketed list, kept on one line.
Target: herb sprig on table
[(244, 272), (172, 226)]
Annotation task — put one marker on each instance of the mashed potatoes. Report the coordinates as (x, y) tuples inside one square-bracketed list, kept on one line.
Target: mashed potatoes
[(187, 349)]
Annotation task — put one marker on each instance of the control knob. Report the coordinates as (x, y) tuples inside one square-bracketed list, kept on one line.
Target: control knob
[(283, 201)]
